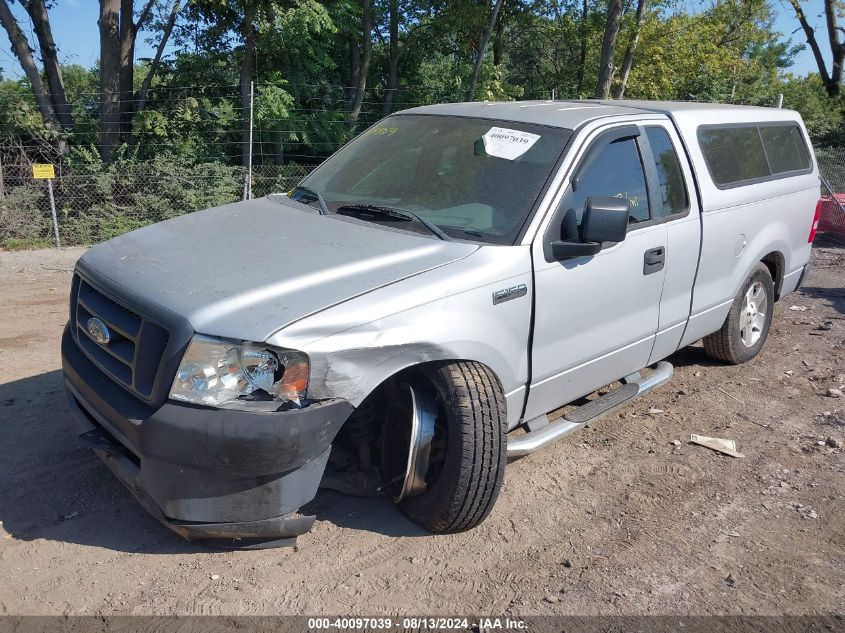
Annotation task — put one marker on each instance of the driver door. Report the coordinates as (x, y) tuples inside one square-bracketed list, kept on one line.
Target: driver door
[(596, 317)]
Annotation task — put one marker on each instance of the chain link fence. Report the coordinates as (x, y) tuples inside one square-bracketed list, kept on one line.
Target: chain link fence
[(95, 203), (832, 206)]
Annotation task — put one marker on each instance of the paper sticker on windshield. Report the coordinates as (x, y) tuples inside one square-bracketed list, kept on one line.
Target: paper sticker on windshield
[(510, 144)]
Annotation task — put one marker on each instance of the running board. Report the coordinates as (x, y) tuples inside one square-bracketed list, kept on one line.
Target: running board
[(635, 386)]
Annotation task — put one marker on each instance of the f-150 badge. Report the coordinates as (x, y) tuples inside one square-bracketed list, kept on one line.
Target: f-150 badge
[(506, 294)]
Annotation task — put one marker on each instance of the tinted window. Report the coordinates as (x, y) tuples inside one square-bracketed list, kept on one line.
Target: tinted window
[(673, 190), (785, 148), (736, 154), (617, 171)]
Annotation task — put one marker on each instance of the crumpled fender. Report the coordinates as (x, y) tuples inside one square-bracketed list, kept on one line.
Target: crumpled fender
[(440, 315)]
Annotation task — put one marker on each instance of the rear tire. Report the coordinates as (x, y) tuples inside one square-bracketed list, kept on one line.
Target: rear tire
[(471, 428), (746, 327)]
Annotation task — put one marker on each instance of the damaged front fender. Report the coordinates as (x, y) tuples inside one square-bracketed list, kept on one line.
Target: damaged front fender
[(357, 345)]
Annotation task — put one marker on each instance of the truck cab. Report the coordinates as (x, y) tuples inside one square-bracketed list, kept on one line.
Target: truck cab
[(447, 291)]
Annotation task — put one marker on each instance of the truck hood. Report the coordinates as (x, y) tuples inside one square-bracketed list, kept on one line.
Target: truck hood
[(245, 270)]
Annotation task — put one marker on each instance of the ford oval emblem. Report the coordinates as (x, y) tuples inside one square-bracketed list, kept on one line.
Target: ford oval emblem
[(98, 330)]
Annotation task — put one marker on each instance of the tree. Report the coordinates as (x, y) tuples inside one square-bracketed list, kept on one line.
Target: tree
[(249, 33), (247, 19), (23, 52), (584, 35), (49, 55), (361, 62), (393, 56), (628, 60), (608, 48), (832, 79), (823, 116), (155, 64), (309, 62), (118, 34), (482, 49), (109, 24), (128, 34)]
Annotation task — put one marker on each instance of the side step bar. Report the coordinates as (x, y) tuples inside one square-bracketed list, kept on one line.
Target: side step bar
[(634, 386)]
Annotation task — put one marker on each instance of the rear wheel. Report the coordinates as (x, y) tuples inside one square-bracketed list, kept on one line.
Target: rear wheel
[(467, 458), (747, 325)]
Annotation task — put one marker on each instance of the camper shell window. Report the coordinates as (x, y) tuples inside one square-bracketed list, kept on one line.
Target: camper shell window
[(748, 153)]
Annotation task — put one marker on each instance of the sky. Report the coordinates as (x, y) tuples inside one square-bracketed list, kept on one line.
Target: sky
[(74, 24), (787, 24)]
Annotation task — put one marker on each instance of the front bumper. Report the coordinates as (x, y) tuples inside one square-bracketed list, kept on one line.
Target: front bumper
[(230, 476)]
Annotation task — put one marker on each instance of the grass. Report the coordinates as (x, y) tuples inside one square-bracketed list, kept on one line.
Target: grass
[(23, 244)]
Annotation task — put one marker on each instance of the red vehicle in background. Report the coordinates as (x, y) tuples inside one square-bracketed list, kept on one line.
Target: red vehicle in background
[(831, 214)]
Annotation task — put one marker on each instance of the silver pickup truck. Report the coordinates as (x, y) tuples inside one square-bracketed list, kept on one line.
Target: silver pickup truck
[(409, 317)]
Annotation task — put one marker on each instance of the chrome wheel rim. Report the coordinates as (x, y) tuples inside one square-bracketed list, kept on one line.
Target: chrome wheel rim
[(753, 317), (412, 426)]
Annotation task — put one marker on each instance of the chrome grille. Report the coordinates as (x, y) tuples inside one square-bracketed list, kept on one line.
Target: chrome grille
[(132, 357)]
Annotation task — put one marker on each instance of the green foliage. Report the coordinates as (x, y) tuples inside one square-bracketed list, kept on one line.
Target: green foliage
[(823, 116), (23, 222), (494, 86), (98, 201), (19, 115), (183, 151), (726, 53)]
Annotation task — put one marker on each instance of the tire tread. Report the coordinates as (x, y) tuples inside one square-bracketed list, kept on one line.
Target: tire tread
[(473, 393), (725, 344)]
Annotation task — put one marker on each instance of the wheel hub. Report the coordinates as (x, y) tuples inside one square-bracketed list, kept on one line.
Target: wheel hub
[(753, 318)]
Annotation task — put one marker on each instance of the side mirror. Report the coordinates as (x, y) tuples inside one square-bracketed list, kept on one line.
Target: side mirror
[(605, 219), (566, 249)]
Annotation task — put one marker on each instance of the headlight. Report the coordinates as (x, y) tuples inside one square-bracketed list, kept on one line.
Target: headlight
[(214, 371)]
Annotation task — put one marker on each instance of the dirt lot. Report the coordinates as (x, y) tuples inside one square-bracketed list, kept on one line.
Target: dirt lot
[(614, 520)]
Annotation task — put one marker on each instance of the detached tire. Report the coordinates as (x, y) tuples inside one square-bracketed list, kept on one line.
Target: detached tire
[(468, 472), (747, 325)]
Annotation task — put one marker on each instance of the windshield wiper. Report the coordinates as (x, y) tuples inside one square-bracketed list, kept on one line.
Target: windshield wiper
[(324, 209), (400, 213)]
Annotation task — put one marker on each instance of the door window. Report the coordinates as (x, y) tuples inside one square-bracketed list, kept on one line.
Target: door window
[(673, 190), (617, 171)]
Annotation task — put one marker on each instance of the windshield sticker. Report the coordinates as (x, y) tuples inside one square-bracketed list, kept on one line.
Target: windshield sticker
[(381, 131), (509, 144)]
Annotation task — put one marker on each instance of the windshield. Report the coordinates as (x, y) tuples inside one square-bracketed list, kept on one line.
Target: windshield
[(475, 179)]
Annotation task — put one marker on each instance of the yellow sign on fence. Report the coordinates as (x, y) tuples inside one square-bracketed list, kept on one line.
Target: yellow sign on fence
[(43, 171)]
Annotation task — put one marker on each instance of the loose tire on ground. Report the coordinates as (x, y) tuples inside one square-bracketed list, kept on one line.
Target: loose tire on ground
[(727, 344), (471, 427)]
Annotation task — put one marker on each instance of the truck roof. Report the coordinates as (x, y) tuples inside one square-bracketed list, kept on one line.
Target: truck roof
[(572, 113)]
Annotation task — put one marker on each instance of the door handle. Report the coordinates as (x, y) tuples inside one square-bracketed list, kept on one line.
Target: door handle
[(653, 260)]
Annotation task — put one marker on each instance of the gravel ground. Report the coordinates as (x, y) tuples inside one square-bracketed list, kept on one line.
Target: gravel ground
[(625, 517)]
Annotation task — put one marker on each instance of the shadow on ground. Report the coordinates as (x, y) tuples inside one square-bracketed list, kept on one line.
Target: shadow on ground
[(370, 514), (53, 489), (834, 297), (692, 355)]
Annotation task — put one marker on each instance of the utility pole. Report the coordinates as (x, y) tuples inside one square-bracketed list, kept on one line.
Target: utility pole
[(248, 179), (53, 211), (780, 101), (47, 171)]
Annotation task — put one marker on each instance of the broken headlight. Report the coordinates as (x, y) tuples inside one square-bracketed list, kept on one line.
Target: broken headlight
[(215, 372)]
